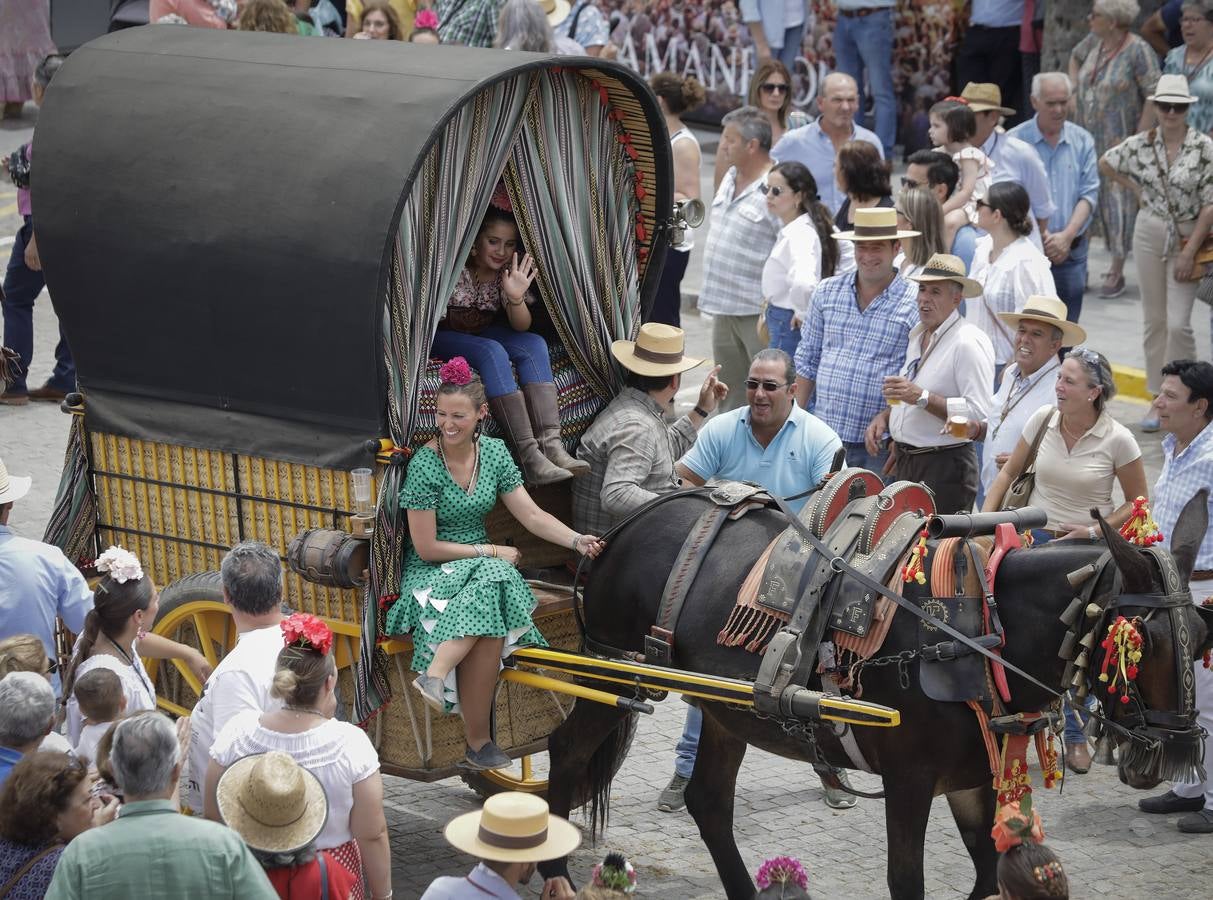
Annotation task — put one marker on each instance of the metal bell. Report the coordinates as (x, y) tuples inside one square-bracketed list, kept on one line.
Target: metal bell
[(1083, 660), (1088, 640), (1078, 576), (1079, 680), (1081, 691), (1067, 646), (1103, 751), (1094, 610), (1070, 616)]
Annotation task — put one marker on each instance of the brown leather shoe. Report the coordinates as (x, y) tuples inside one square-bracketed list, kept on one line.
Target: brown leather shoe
[(14, 399), (48, 393), (1078, 758)]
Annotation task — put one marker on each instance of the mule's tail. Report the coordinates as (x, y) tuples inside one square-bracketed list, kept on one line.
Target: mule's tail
[(600, 772)]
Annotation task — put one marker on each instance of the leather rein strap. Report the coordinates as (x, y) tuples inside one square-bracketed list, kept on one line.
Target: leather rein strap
[(659, 642)]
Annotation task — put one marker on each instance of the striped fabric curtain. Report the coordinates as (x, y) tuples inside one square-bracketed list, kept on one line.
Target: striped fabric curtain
[(73, 520), (574, 191), (437, 228)]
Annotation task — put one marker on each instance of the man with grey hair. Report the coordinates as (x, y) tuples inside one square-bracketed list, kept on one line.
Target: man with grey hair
[(27, 713), (1068, 153), (252, 590), (742, 235), (151, 850)]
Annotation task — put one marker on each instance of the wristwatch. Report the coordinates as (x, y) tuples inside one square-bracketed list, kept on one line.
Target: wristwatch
[(921, 402)]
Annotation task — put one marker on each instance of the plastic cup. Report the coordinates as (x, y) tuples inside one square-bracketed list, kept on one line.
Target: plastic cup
[(362, 491), (958, 426)]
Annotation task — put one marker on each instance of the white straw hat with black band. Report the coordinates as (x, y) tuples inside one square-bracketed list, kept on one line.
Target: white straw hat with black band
[(945, 267), (1050, 311), (1171, 89), (513, 827), (658, 350), (876, 223), (12, 487)]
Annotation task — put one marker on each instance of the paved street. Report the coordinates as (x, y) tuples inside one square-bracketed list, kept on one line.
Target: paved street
[(1108, 847)]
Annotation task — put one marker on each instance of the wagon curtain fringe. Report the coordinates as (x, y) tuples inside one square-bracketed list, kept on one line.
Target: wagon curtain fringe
[(73, 521)]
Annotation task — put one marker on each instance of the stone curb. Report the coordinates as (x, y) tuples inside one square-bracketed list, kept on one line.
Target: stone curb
[(1131, 383)]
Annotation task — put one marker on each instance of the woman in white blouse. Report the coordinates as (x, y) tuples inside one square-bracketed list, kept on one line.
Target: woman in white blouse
[(804, 253), (338, 753), (1007, 264)]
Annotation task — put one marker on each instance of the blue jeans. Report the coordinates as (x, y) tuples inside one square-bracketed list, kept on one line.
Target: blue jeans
[(783, 336), (1070, 278), (22, 285), (790, 51), (867, 44), (491, 352), (859, 457), (688, 744)]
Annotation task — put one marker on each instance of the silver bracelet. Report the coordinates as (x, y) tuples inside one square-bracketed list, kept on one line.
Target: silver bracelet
[(479, 548), (576, 539), (1091, 532)]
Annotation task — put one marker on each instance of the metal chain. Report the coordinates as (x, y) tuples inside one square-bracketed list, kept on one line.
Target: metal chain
[(902, 660)]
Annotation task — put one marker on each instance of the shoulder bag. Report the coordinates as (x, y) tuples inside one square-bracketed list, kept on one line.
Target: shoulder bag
[(29, 864), (1020, 491), (1204, 255)]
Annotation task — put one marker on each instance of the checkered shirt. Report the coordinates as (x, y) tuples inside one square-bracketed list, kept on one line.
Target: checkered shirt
[(848, 351), (469, 22), (741, 238), (1182, 476)]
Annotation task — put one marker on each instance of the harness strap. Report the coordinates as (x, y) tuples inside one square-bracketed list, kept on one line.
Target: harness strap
[(659, 643)]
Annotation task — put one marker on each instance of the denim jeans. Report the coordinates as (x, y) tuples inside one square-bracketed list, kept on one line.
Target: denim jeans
[(858, 457), (491, 352), (1070, 278), (688, 744), (790, 51), (783, 336), (22, 285), (867, 44)]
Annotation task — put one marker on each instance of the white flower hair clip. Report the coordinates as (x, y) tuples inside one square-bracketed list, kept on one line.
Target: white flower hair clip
[(120, 565)]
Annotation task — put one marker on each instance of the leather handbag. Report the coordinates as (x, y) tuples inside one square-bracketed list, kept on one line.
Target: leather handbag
[(469, 319), (1020, 491), (1204, 254)]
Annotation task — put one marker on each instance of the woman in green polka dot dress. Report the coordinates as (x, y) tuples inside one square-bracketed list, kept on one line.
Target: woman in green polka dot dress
[(461, 597)]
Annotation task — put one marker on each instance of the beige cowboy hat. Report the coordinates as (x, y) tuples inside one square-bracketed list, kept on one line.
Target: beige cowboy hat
[(556, 10), (272, 802), (1050, 311), (657, 350), (877, 223), (12, 487), (1171, 89), (983, 97), (945, 267), (513, 827)]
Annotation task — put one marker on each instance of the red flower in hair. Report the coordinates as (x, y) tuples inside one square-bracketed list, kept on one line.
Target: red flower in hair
[(501, 198), (456, 371), (426, 18), (306, 631)]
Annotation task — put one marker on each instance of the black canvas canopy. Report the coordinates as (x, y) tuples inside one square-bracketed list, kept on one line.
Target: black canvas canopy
[(215, 212)]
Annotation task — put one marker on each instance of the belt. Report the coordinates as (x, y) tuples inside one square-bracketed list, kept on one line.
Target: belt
[(919, 451), (861, 13), (1201, 575)]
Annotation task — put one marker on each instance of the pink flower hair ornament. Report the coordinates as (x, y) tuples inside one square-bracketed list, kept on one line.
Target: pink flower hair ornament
[(120, 565), (782, 870), (426, 18), (456, 371), (307, 632), (501, 198)]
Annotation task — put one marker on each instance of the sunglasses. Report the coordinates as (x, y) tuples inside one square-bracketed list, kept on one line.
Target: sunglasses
[(770, 88), (909, 183), (1171, 107), (52, 667), (753, 384), (983, 203), (772, 190)]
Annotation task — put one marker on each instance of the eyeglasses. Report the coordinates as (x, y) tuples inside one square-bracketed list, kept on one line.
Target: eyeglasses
[(909, 183), (1171, 107), (753, 384), (772, 88), (771, 189), (983, 203)]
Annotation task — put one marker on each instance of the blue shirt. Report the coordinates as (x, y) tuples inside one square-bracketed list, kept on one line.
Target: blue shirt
[(1181, 477), (8, 758), (797, 458), (1072, 168), (773, 14), (813, 148), (997, 14), (38, 583), (1016, 161), (964, 245), (848, 351)]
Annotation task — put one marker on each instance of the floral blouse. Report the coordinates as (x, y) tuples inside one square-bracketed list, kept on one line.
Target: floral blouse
[(469, 293), (1185, 186)]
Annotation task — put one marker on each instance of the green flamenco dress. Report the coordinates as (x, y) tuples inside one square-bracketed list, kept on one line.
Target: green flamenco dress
[(477, 596)]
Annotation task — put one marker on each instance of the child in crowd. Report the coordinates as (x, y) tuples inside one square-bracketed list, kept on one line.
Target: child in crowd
[(102, 702), (953, 126), (1027, 869), (425, 28)]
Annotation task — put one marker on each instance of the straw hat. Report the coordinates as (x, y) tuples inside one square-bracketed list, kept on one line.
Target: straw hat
[(1050, 311), (513, 827), (556, 10), (272, 802), (877, 223), (983, 97), (1171, 89), (12, 487), (945, 267), (657, 350)]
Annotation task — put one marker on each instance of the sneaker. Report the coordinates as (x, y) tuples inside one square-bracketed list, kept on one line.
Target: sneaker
[(487, 757), (1112, 289), (1150, 423), (1171, 802), (1197, 823), (673, 797), (431, 690), (14, 399), (838, 797)]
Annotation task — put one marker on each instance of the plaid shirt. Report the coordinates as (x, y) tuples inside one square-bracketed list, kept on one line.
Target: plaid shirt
[(631, 452), (741, 238), (470, 22), (848, 351), (1182, 476)]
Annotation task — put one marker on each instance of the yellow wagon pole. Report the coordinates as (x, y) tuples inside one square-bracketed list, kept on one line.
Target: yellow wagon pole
[(542, 682)]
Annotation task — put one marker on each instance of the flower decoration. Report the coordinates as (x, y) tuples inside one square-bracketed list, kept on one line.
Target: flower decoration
[(307, 632), (456, 371), (119, 564), (501, 198), (426, 18), (615, 873), (954, 99), (1017, 823), (1122, 655), (1141, 529), (913, 571), (782, 870)]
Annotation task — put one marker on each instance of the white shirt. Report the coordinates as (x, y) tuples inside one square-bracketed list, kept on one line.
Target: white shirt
[(240, 683), (794, 266), (959, 363), (90, 737), (136, 686), (1014, 402), (1019, 272), (482, 883)]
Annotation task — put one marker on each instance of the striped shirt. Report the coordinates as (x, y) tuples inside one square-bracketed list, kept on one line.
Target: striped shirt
[(1072, 167), (1182, 476), (848, 351), (740, 239)]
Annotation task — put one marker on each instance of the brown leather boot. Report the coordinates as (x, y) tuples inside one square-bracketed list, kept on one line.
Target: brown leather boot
[(544, 407), (510, 413), (1078, 758)]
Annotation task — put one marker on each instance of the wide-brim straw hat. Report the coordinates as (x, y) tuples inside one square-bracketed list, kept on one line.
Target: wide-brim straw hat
[(876, 223), (1171, 89), (981, 96), (13, 487), (272, 802), (556, 10), (945, 267), (1050, 311), (513, 827), (658, 350)]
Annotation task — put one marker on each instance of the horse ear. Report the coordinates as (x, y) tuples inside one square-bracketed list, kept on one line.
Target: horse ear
[(1189, 532), (1206, 616), (1134, 568)]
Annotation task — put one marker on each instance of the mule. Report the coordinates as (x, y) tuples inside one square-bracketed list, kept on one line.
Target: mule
[(914, 764)]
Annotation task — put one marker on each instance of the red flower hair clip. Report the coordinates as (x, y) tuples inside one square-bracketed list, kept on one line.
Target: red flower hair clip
[(456, 371), (501, 198), (307, 632), (426, 18)]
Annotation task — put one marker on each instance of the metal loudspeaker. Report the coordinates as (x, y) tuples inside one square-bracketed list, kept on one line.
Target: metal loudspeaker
[(687, 214)]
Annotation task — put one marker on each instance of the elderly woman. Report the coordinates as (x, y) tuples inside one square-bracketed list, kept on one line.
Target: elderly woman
[(523, 25), (1193, 59), (863, 176), (770, 91), (918, 210), (1171, 169), (45, 802), (1113, 71), (26, 653)]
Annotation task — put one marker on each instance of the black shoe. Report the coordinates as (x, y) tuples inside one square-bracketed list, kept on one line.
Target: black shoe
[(1171, 802), (487, 757), (1197, 823)]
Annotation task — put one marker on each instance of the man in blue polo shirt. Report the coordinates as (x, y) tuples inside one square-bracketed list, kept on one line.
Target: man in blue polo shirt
[(773, 442)]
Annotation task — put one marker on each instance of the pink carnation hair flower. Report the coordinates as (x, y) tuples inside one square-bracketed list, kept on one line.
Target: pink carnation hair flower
[(782, 870), (456, 371), (501, 198), (307, 631), (426, 18)]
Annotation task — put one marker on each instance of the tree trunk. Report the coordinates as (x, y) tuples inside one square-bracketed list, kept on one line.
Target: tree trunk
[(1066, 25)]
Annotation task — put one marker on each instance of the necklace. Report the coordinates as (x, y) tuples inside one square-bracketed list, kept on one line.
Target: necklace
[(1101, 62), (470, 488), (1076, 437), (306, 709), (130, 662), (1189, 71), (1014, 395)]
